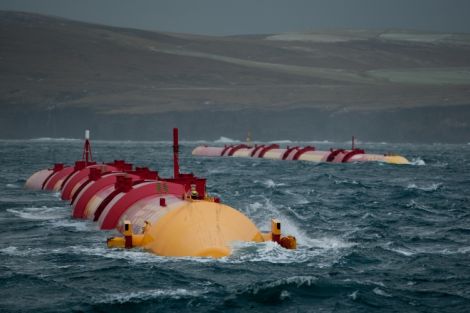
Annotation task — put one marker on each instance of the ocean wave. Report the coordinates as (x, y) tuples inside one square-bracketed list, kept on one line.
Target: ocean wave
[(53, 139), (226, 140), (28, 252), (298, 199), (417, 161), (145, 295), (380, 292), (321, 141), (269, 183), (429, 188), (269, 252), (345, 181), (41, 213), (258, 211), (77, 225), (278, 285), (13, 186), (417, 250)]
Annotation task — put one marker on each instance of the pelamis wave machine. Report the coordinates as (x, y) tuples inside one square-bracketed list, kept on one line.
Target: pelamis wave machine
[(308, 153), (166, 216)]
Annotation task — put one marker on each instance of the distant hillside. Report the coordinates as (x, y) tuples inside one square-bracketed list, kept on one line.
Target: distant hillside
[(58, 76)]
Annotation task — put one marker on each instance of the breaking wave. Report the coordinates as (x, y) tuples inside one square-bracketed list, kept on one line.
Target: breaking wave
[(417, 161), (226, 140)]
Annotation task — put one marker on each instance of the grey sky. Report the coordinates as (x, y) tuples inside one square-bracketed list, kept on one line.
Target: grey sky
[(223, 17)]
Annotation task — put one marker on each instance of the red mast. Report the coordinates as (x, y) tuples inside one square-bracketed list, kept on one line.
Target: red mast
[(87, 157), (176, 166)]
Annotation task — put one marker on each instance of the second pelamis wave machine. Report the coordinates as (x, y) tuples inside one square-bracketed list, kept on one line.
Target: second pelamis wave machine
[(307, 153)]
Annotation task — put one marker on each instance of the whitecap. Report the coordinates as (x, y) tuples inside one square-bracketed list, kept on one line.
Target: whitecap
[(41, 139), (144, 295), (330, 243), (380, 292), (463, 250), (13, 186), (76, 225), (284, 295), (432, 187), (298, 281), (268, 251), (41, 213), (321, 141), (269, 183), (14, 251), (226, 140), (282, 141), (289, 227), (353, 295), (402, 251), (136, 256), (299, 199), (418, 162)]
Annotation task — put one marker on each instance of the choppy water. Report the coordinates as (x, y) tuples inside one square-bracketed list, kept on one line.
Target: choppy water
[(372, 237)]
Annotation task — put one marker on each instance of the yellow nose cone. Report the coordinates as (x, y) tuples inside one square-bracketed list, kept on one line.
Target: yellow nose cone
[(199, 229), (396, 159)]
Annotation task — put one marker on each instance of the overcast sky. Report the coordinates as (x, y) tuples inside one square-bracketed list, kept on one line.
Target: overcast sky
[(223, 17)]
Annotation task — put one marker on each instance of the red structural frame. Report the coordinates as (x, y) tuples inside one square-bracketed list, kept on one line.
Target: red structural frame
[(80, 203), (236, 148), (135, 194), (288, 151), (76, 178), (256, 149), (266, 149), (302, 151), (52, 180), (352, 153), (225, 149), (333, 155)]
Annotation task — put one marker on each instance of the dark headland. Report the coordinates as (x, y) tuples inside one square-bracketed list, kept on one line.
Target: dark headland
[(58, 77)]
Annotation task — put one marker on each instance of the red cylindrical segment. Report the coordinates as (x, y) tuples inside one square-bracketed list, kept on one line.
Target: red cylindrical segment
[(111, 214), (80, 177), (82, 199), (36, 181), (59, 176)]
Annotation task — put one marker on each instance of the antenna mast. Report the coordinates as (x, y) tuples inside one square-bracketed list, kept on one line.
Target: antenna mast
[(87, 157), (176, 166)]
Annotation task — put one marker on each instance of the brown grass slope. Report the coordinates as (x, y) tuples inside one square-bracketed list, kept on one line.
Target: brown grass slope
[(52, 64)]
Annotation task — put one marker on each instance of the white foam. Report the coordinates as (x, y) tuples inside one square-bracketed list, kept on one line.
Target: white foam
[(402, 251), (53, 139), (432, 187), (76, 225), (226, 140), (42, 213), (144, 295), (380, 292), (418, 162), (299, 199), (269, 183), (298, 281), (14, 251), (13, 186), (282, 141), (268, 251), (353, 295), (321, 141), (136, 256), (289, 227)]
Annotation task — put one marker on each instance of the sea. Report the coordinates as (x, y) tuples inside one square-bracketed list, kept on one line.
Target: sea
[(371, 237)]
